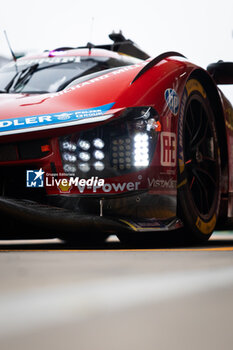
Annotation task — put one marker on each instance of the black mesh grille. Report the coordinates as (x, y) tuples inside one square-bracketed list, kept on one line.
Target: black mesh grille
[(24, 150), (8, 152)]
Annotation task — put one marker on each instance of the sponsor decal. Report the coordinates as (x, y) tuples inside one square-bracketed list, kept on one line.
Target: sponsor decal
[(121, 187), (160, 183), (97, 79), (206, 227), (168, 148), (194, 85), (63, 116), (64, 186), (35, 178), (54, 120), (172, 100), (180, 133), (48, 60)]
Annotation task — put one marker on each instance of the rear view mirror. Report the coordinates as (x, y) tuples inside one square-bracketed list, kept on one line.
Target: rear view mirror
[(221, 72)]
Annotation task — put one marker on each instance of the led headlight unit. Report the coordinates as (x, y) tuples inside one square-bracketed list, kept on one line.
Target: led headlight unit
[(99, 166), (98, 143), (69, 146), (84, 156), (69, 168), (99, 155), (117, 147), (85, 167), (83, 144), (69, 157), (141, 150)]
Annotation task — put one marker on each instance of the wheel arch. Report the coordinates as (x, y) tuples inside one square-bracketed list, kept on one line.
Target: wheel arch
[(213, 96)]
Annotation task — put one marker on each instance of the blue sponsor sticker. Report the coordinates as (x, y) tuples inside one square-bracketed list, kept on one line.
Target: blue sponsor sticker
[(172, 100), (30, 123)]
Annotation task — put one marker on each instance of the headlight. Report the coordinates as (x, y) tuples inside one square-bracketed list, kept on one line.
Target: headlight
[(99, 166), (69, 146), (83, 144), (123, 145), (84, 167), (84, 156), (98, 155), (98, 143), (68, 157), (141, 149)]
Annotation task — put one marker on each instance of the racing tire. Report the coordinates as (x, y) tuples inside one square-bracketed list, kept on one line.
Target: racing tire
[(198, 175)]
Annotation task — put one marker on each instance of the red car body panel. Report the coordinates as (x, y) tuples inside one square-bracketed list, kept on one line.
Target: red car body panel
[(115, 88)]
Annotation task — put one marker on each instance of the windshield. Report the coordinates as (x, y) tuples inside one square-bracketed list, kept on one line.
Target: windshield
[(50, 74)]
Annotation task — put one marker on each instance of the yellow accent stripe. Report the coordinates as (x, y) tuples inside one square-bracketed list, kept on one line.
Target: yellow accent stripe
[(121, 250), (141, 228), (129, 224)]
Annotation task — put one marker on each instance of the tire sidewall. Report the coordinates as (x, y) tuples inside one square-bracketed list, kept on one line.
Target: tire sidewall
[(199, 226)]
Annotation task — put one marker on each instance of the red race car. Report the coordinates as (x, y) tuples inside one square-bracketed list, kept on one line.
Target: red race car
[(104, 140)]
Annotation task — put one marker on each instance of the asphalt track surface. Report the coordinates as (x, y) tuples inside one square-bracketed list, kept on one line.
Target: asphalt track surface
[(55, 297)]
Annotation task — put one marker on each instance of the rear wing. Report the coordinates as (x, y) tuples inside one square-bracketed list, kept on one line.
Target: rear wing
[(122, 45), (221, 72)]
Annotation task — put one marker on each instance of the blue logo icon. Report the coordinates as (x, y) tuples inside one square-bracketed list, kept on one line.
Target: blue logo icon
[(35, 178), (172, 100)]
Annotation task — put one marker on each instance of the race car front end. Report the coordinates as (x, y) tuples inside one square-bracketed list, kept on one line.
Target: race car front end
[(100, 155), (101, 174)]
